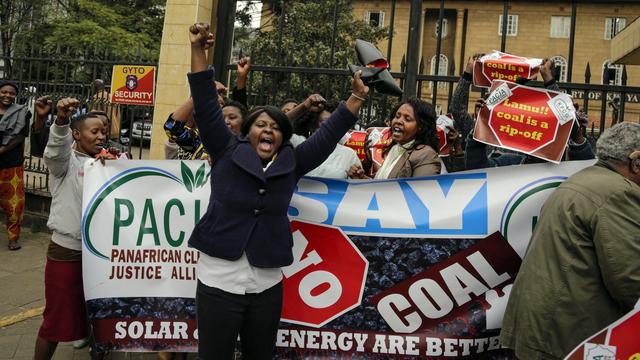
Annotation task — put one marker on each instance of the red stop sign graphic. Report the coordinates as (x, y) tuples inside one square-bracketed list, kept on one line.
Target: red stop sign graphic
[(524, 122), (326, 278)]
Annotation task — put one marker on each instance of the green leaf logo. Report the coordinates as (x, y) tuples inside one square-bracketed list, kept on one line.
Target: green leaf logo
[(194, 182), (187, 176), (200, 176)]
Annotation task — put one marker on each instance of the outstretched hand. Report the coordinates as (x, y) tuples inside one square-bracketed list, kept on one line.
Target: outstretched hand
[(43, 106), (200, 36), (546, 70), (66, 107), (243, 66), (315, 103), (472, 60), (357, 85)]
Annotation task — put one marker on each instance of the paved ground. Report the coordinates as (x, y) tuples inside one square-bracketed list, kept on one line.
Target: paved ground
[(22, 301)]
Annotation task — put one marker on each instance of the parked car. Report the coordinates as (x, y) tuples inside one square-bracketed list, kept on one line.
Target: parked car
[(142, 128)]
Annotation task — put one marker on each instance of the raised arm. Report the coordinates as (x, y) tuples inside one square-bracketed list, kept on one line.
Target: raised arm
[(546, 70), (239, 92), (58, 150), (459, 106), (313, 152), (313, 100), (214, 132)]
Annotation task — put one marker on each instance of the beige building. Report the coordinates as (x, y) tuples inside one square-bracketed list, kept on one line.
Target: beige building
[(534, 29)]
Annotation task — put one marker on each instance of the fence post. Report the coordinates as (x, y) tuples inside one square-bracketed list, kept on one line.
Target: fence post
[(603, 99), (413, 49), (623, 95), (572, 40), (225, 18), (434, 93), (505, 22)]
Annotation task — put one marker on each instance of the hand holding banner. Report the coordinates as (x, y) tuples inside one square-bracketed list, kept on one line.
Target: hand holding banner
[(534, 121), (444, 125), (501, 66)]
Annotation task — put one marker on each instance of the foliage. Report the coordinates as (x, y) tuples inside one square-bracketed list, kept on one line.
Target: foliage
[(301, 33), (131, 28), (15, 16)]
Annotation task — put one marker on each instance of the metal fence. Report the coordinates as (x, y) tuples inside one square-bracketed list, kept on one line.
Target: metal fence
[(605, 103), (62, 73)]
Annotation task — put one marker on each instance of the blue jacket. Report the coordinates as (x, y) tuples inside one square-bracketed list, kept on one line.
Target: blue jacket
[(248, 207)]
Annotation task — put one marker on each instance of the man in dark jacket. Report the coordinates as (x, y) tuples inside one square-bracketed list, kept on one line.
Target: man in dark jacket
[(581, 270)]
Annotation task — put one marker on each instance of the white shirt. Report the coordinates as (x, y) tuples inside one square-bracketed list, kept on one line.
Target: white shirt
[(337, 164), (392, 158), (236, 277), (239, 276)]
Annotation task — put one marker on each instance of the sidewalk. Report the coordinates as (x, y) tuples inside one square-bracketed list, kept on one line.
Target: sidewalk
[(22, 301)]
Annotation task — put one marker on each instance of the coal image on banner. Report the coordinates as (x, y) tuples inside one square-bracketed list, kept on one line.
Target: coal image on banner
[(408, 268)]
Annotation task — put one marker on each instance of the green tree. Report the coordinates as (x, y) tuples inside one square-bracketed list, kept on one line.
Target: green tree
[(132, 28), (16, 16), (301, 33)]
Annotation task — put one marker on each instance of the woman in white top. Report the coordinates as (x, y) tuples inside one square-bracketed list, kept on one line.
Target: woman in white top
[(341, 159)]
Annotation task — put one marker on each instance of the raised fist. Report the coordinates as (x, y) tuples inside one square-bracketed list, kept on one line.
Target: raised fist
[(66, 107), (200, 36)]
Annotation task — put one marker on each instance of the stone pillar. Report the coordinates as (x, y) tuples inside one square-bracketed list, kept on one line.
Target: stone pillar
[(175, 62)]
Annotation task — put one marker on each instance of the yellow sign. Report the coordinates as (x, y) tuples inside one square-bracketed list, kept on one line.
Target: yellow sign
[(133, 84)]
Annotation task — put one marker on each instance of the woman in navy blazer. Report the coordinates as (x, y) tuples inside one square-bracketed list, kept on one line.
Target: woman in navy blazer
[(245, 235)]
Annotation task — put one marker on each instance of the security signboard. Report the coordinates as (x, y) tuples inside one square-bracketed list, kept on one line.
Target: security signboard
[(133, 84)]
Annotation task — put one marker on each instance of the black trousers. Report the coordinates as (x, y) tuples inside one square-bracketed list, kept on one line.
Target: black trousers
[(222, 316)]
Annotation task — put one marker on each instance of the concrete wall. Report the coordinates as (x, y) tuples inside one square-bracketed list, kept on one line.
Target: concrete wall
[(175, 62)]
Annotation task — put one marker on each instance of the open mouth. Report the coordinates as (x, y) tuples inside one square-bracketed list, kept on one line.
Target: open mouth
[(397, 131), (266, 144)]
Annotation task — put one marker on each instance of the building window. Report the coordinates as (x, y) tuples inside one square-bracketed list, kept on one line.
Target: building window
[(612, 26), (560, 26), (374, 18), (560, 65), (445, 28), (614, 73), (512, 25), (443, 68)]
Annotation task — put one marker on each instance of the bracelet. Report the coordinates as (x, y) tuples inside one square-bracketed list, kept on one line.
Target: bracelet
[(358, 97)]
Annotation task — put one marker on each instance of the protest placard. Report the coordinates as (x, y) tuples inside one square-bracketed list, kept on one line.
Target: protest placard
[(355, 139), (502, 66), (533, 121), (617, 341)]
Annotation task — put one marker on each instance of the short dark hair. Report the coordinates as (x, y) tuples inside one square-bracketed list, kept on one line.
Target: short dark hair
[(97, 85), (99, 113), (77, 121), (4, 83), (287, 101), (239, 105), (276, 114)]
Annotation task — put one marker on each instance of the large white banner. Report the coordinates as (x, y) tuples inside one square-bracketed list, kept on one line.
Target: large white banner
[(138, 216)]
